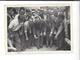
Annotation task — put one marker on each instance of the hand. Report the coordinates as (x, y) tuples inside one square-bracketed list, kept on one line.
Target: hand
[(27, 38), (68, 41), (55, 37), (44, 33), (35, 37), (50, 35), (21, 23), (41, 34)]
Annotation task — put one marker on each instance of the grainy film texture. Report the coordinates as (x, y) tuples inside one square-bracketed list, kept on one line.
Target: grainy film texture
[(43, 28)]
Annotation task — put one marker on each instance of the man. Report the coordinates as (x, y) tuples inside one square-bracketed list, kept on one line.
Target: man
[(53, 19), (49, 30), (53, 30), (36, 30), (11, 12), (28, 27), (60, 35), (16, 25), (41, 14), (42, 23)]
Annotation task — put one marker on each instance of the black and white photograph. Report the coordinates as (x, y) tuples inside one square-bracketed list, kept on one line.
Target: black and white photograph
[(41, 28)]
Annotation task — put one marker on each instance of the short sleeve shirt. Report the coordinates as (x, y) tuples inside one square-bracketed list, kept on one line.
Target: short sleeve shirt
[(14, 24)]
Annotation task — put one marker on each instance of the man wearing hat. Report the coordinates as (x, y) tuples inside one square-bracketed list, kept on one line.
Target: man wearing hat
[(28, 26), (37, 31)]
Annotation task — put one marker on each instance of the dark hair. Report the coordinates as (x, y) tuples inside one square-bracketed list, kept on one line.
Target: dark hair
[(12, 10), (27, 10), (22, 8), (61, 16), (15, 12), (9, 8)]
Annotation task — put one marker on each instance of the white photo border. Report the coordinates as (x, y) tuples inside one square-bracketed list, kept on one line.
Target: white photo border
[(37, 5)]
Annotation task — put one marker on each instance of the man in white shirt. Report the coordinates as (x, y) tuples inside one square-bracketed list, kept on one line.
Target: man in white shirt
[(16, 26)]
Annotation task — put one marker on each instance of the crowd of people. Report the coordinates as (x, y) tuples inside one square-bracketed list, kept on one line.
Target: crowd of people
[(37, 27)]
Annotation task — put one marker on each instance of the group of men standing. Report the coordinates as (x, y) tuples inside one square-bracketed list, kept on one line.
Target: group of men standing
[(28, 28)]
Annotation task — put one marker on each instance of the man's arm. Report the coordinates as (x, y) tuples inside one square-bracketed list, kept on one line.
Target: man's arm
[(26, 25), (11, 25), (59, 31), (51, 31)]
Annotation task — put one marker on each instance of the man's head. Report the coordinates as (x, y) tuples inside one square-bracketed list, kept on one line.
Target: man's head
[(28, 12), (33, 13), (55, 13), (61, 17), (11, 11), (22, 11)]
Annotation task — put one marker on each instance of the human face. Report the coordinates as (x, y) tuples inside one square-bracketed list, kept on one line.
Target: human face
[(22, 12)]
